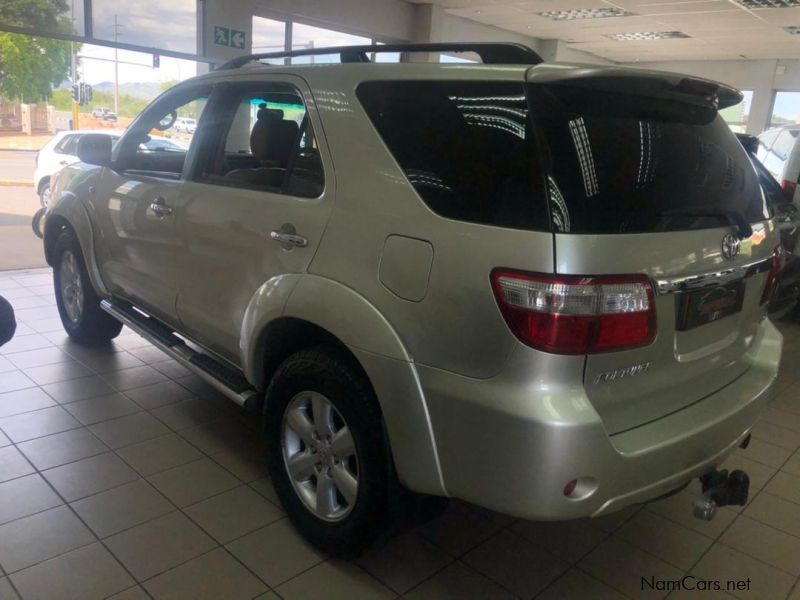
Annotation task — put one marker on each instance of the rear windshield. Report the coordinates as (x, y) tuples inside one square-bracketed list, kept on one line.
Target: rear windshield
[(466, 147), (626, 164)]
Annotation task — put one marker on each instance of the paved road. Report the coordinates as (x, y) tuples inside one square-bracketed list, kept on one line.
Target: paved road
[(19, 247), (17, 164)]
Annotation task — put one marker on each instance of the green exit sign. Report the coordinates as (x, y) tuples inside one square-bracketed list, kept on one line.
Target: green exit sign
[(224, 36)]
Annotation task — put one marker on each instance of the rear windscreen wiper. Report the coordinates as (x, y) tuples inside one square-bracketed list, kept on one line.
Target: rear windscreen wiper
[(734, 217)]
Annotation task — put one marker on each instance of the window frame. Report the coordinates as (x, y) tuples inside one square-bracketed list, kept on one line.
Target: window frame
[(227, 99), (64, 142)]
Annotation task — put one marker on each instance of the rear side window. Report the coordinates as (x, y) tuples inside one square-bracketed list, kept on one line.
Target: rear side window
[(69, 145), (626, 164), (465, 147)]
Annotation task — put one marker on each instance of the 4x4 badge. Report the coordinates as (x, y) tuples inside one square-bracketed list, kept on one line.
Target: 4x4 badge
[(730, 246)]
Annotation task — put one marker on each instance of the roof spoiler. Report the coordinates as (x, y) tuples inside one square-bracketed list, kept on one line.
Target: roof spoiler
[(640, 82)]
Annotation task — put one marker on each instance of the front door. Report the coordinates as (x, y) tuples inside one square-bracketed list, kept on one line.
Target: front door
[(137, 202), (254, 207)]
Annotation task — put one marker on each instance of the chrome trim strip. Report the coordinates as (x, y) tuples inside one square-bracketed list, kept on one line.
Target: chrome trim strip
[(673, 285)]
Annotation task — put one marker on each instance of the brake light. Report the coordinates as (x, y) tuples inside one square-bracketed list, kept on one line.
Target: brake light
[(576, 315), (774, 272), (789, 188)]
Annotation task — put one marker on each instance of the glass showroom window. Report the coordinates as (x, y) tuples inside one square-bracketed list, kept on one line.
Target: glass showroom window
[(307, 36), (785, 109), (152, 23), (736, 116), (269, 35)]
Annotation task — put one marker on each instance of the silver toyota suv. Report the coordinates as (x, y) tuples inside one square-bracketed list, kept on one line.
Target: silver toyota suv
[(538, 288)]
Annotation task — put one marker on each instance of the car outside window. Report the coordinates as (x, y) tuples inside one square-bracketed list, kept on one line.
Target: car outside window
[(68, 145), (268, 144)]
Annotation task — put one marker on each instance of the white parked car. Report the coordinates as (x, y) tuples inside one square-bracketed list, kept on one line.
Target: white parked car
[(62, 150), (779, 152), (185, 125)]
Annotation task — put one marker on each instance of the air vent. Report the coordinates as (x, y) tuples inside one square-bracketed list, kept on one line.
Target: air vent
[(647, 36), (585, 13), (793, 29), (755, 4)]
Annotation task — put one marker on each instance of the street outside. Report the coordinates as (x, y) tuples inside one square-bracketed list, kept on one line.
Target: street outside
[(19, 247)]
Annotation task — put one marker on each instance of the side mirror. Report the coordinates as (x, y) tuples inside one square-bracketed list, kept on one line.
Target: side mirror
[(95, 149)]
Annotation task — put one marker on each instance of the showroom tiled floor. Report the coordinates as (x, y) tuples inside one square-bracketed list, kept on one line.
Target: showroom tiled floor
[(122, 475)]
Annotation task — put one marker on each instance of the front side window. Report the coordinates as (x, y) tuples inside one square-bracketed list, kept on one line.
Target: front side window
[(268, 144), (465, 147)]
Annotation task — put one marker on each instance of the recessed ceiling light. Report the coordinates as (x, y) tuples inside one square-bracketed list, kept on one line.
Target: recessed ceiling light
[(647, 36), (585, 13), (768, 3), (793, 29)]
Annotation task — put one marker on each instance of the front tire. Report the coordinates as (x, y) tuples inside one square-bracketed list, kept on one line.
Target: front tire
[(44, 194), (78, 304), (327, 453)]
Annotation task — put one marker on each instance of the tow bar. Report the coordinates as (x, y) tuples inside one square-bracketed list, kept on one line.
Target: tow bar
[(721, 488)]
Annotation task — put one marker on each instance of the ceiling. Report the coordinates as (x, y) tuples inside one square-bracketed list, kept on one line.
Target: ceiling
[(716, 29)]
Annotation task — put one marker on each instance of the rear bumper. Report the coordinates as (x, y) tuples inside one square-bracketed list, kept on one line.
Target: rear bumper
[(511, 443)]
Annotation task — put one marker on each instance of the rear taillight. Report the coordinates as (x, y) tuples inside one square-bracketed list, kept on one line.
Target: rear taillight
[(774, 271), (789, 188), (576, 315)]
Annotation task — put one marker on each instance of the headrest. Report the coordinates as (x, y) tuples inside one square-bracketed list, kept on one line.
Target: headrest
[(272, 138)]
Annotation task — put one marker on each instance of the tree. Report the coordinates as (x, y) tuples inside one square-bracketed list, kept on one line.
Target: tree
[(29, 65)]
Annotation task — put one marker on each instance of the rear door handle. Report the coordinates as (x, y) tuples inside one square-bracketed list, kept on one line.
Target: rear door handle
[(291, 239), (159, 207)]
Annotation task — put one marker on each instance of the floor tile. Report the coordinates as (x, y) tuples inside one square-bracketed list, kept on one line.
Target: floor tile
[(61, 448), (27, 541), (786, 486), (404, 562), (193, 481), (622, 566), (576, 584), (15, 380), (782, 418), (569, 540), (171, 368), (765, 543), (275, 553), (458, 582), (219, 436), (765, 453), (668, 541), (133, 593), (186, 413), (775, 512), (14, 403), (450, 533), (779, 436), (211, 576), (6, 591), (128, 430), (122, 507), (78, 389), (334, 580), (38, 423), (156, 546), (89, 476), (264, 487), (159, 454), (48, 325), (232, 514), (87, 573), (101, 408), (793, 464), (148, 354), (25, 496), (109, 361), (724, 564), (247, 465), (4, 441), (22, 343), (63, 371), (13, 464), (6, 365), (159, 394), (38, 358), (515, 563), (127, 379)]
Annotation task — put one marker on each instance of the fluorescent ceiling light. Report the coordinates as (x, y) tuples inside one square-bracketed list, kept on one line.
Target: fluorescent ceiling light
[(768, 3), (585, 13), (647, 36)]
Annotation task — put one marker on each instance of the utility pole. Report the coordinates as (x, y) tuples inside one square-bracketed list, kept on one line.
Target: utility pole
[(116, 69), (75, 115)]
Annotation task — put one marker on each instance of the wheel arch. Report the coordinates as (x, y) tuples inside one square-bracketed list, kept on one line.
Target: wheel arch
[(292, 312), (45, 179)]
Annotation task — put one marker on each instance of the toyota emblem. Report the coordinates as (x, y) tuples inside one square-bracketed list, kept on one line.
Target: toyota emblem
[(730, 246)]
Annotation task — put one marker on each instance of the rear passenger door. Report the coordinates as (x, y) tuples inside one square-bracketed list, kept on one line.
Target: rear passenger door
[(255, 205)]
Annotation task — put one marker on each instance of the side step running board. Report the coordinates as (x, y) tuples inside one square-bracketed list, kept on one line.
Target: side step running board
[(224, 378)]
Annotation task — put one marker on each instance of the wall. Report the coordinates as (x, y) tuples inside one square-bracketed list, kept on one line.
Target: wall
[(757, 75)]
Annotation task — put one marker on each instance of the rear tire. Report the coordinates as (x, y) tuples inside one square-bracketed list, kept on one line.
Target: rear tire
[(78, 304), (327, 453), (44, 193)]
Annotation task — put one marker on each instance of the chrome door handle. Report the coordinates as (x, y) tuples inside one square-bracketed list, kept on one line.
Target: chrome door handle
[(160, 208), (291, 239)]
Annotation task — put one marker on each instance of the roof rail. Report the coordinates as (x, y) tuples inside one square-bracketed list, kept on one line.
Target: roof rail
[(490, 53)]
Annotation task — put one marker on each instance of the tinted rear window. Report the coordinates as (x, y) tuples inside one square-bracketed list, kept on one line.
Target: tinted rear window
[(466, 147), (626, 164)]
